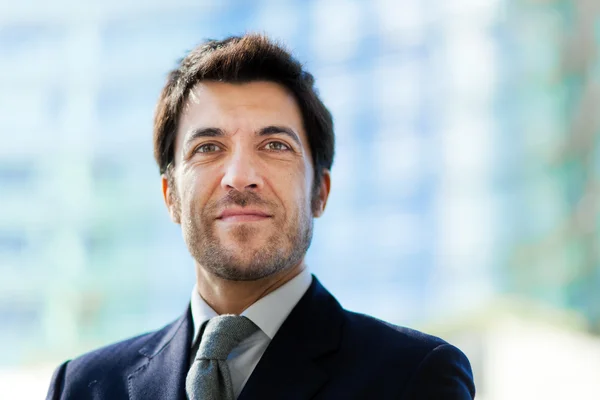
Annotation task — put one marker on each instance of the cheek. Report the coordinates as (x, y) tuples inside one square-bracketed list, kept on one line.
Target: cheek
[(193, 192), (297, 194)]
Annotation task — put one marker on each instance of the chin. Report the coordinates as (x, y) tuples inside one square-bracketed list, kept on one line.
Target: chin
[(244, 273), (241, 243)]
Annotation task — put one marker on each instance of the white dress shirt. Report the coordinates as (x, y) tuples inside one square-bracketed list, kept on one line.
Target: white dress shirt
[(268, 313)]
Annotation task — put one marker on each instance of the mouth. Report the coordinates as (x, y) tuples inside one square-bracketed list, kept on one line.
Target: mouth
[(243, 216)]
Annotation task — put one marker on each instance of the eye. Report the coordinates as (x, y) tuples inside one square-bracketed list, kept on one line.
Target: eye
[(207, 148), (277, 146)]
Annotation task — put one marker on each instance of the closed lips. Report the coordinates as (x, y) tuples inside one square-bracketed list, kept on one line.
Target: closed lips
[(243, 214)]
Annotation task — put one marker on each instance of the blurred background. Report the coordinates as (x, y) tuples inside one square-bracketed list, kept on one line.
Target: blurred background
[(466, 188)]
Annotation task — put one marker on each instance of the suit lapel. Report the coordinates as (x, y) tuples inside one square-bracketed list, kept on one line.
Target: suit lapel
[(162, 372), (288, 368)]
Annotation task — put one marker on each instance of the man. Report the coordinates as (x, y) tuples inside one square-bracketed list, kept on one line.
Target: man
[(245, 147)]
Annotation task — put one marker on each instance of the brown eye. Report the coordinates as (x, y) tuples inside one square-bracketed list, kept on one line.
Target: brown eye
[(207, 148), (276, 146)]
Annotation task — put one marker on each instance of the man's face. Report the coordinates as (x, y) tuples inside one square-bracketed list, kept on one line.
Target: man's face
[(241, 185)]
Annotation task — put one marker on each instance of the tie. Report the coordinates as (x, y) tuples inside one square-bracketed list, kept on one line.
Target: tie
[(209, 378)]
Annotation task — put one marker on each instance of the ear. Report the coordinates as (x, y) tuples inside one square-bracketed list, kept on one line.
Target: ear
[(170, 197), (320, 200)]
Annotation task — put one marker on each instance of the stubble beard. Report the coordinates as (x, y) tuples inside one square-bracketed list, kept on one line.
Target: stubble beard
[(282, 250)]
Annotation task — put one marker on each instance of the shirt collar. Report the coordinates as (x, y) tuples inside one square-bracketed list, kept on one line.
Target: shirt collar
[(268, 313)]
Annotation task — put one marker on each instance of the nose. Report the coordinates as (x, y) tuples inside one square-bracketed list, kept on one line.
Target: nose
[(241, 173)]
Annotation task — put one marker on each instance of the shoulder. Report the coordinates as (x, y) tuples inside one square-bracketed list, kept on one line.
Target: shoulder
[(125, 351), (366, 337), (384, 334), (107, 366), (397, 345), (111, 356), (422, 364)]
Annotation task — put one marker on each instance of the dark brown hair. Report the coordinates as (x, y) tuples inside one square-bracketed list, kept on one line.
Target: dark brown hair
[(251, 57)]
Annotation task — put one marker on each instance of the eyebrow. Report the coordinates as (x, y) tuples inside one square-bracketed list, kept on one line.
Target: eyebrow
[(266, 131), (276, 130), (203, 132)]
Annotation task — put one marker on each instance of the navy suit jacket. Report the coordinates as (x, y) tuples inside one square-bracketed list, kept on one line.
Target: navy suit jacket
[(320, 352)]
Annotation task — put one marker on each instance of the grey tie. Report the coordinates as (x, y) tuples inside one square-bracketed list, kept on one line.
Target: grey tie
[(209, 378)]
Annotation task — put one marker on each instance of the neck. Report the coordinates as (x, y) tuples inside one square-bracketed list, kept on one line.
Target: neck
[(233, 297)]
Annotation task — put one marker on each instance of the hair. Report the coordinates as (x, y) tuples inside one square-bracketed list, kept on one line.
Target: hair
[(252, 57)]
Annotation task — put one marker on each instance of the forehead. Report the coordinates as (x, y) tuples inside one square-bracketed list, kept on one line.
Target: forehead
[(235, 107)]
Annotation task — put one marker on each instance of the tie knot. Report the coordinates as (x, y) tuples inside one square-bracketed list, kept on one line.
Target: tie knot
[(222, 334)]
